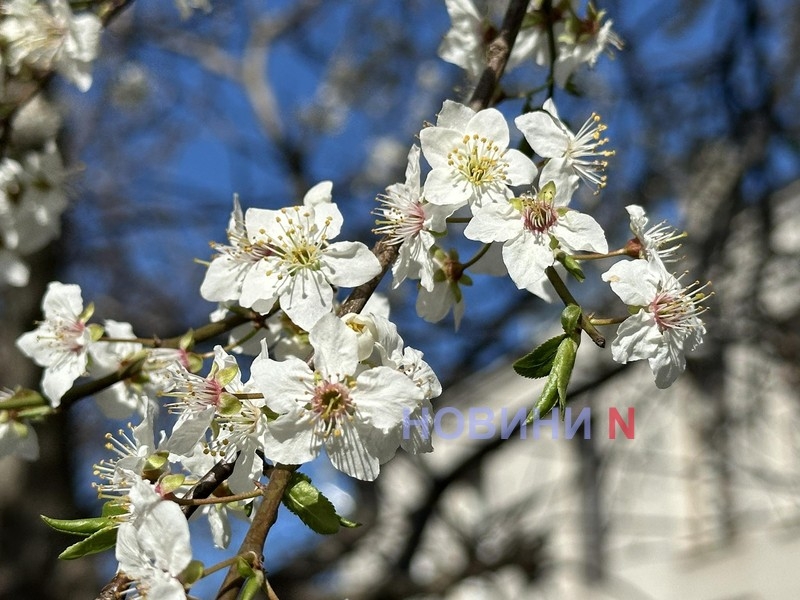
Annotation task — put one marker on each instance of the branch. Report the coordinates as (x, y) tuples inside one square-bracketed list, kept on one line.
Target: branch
[(265, 517)]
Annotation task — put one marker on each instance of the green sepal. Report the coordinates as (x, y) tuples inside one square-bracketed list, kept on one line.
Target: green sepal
[(572, 266), (99, 541), (96, 331), (570, 317), (195, 362), (547, 193), (269, 413), (82, 527), (252, 587), (187, 340), (229, 405), (193, 572), (156, 462), (538, 363), (170, 483), (87, 313), (226, 375), (465, 279), (310, 505)]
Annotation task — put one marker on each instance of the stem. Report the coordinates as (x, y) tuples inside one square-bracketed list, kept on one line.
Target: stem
[(451, 220), (256, 537), (599, 256), (568, 298), (251, 558), (217, 499), (547, 9), (477, 257), (606, 321), (200, 334)]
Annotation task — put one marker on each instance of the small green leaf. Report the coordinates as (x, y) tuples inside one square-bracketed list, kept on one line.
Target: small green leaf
[(538, 363), (82, 527), (547, 399), (97, 542), (226, 375), (307, 502)]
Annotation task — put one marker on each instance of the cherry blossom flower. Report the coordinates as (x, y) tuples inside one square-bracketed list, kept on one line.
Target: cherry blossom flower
[(527, 225), (337, 406), (199, 399), (298, 264), (470, 158), (448, 276), (61, 342), (571, 156), (54, 39), (465, 44), (657, 243), (666, 320), (153, 545), (407, 219), (583, 41)]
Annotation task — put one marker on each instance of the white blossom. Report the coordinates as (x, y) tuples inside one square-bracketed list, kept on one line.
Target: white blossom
[(53, 39), (299, 265), (526, 226), (448, 276), (153, 545), (656, 243), (61, 342), (466, 42), (407, 219), (570, 155), (336, 406), (470, 158), (664, 323)]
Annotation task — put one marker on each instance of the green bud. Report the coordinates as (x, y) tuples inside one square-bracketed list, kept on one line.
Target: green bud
[(193, 572), (570, 317)]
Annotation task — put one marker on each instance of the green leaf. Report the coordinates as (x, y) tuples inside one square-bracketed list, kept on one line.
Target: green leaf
[(97, 542), (538, 363), (82, 527), (307, 502)]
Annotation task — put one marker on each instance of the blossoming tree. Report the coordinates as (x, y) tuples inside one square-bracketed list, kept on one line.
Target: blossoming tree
[(301, 357)]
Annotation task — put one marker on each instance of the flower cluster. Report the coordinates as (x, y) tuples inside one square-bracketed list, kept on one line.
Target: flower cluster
[(665, 315), (475, 172), (578, 39), (50, 38), (297, 378)]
